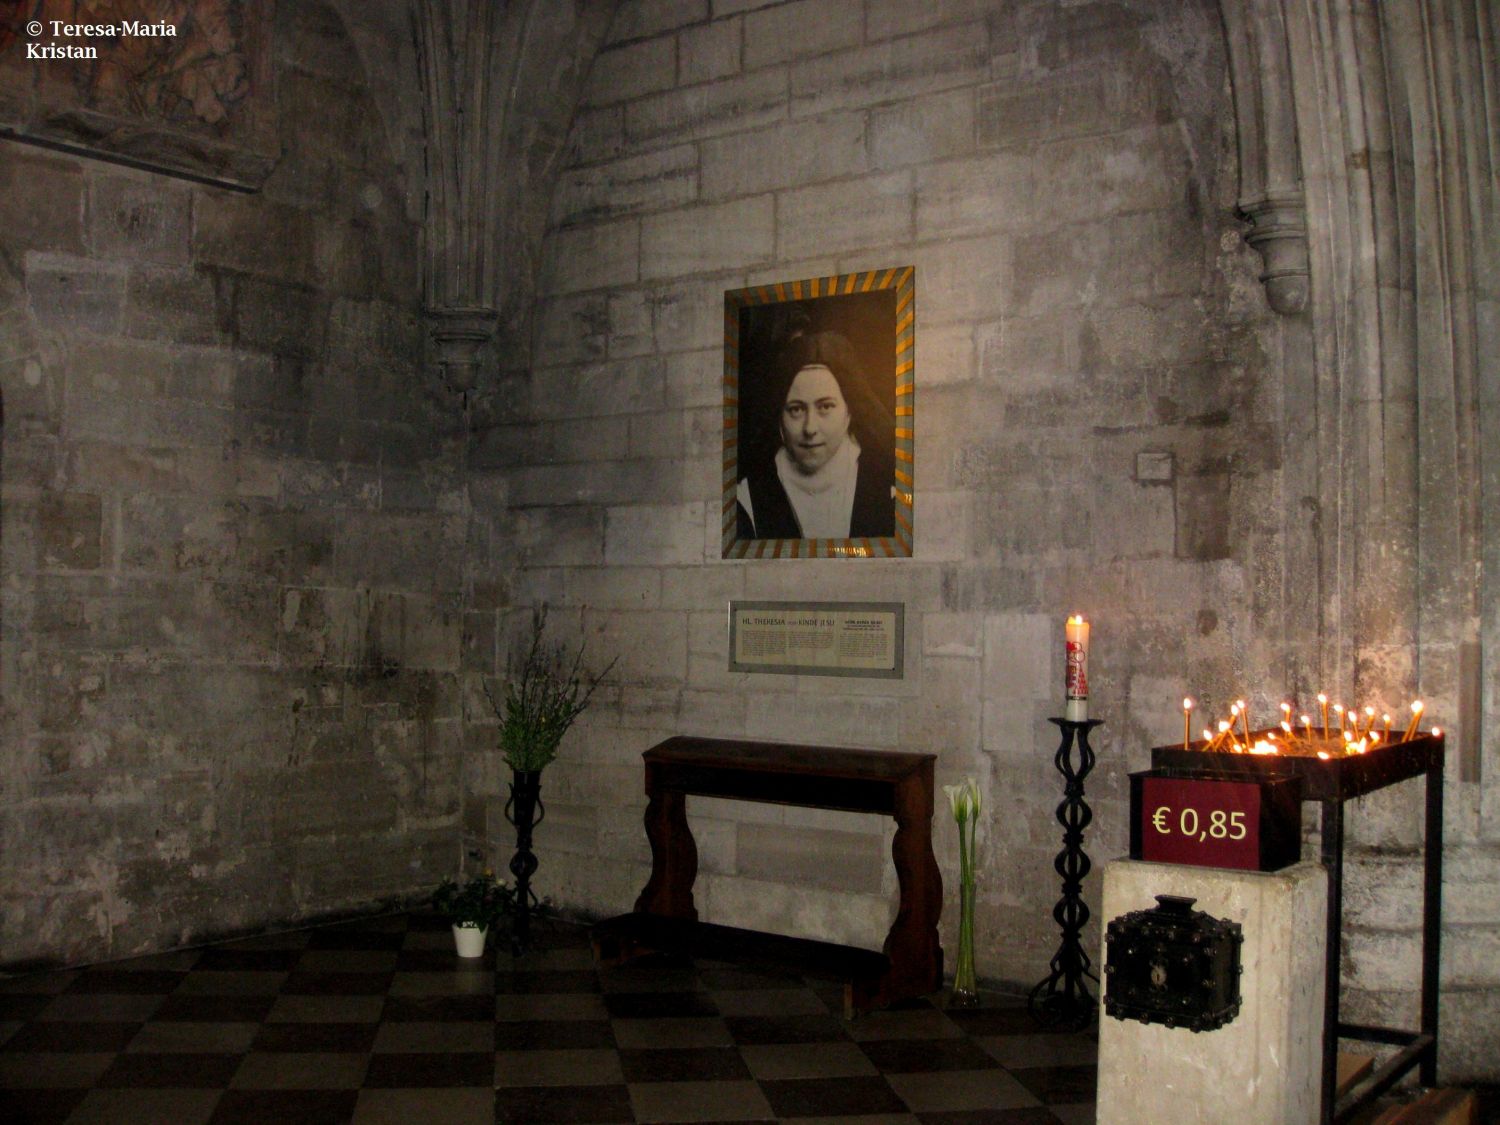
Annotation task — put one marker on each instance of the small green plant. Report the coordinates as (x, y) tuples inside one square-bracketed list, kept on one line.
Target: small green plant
[(546, 692), (481, 902)]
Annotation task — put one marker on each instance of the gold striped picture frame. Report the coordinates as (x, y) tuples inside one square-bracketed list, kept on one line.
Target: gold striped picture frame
[(866, 318)]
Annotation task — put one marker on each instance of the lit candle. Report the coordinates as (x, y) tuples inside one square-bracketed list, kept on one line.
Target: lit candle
[(1338, 709), (1307, 727), (1369, 718), (1187, 722), (1077, 633), (1323, 703), (1416, 717), (1386, 719), (1244, 720), (1224, 731), (1436, 733)]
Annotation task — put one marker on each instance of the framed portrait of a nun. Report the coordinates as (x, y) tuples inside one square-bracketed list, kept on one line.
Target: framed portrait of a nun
[(819, 421)]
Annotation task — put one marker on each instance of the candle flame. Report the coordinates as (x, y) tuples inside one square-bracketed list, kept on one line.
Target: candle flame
[(1076, 619), (1323, 754), (1436, 732), (1263, 747), (1322, 698), (1187, 704)]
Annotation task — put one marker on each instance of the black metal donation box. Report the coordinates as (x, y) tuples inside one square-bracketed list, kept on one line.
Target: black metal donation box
[(1173, 965)]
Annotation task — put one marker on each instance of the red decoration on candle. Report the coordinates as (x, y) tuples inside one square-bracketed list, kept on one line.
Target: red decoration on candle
[(1077, 633)]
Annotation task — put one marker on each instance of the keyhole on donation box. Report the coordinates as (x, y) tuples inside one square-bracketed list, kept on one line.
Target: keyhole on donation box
[(1158, 976)]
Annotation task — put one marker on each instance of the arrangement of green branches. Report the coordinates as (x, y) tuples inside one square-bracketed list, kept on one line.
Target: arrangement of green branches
[(545, 693), (481, 902), (966, 803)]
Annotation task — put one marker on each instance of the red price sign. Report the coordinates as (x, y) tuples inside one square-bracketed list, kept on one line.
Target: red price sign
[(1200, 821)]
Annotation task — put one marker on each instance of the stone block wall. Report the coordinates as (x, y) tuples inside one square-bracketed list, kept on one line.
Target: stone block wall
[(1061, 178), (232, 537)]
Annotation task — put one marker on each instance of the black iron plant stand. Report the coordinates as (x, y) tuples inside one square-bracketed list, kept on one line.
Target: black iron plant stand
[(1062, 1001), (525, 810)]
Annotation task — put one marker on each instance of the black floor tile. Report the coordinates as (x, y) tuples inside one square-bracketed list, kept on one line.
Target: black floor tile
[(571, 1104), (552, 1035), (548, 983), (431, 1068), (215, 1009), (21, 1006), (1015, 1020), (763, 1030), (658, 1005), (285, 1107), (728, 979), (38, 1107), (71, 1035), (829, 1097), (1028, 1115), (682, 1064), (339, 938), (906, 1056), (1060, 1085), (342, 1037), (198, 1072), (336, 984), (426, 960), (438, 1009), (248, 960), (126, 980)]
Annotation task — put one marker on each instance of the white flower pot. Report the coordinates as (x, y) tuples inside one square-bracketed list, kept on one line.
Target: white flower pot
[(469, 939)]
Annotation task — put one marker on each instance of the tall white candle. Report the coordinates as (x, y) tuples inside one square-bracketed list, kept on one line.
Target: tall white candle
[(1077, 632)]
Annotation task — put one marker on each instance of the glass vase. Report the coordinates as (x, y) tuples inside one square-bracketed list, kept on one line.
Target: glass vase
[(965, 985)]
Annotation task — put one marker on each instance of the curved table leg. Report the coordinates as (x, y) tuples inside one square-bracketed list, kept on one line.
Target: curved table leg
[(912, 945), (674, 859)]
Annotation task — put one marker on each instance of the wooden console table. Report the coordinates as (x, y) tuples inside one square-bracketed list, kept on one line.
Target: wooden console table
[(893, 784)]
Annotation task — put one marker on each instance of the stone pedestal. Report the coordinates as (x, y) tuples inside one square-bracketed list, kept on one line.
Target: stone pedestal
[(1262, 1066)]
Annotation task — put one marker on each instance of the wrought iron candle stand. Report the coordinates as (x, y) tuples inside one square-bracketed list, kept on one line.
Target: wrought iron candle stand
[(525, 810), (1062, 1001)]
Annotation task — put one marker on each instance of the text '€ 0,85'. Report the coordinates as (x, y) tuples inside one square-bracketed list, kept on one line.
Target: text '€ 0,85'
[(1220, 825), (1242, 823)]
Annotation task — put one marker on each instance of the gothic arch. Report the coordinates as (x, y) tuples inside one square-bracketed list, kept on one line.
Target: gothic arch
[(1367, 142)]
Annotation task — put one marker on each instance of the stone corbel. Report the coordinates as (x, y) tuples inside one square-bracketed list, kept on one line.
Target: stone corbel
[(1271, 197), (1278, 232), (457, 340)]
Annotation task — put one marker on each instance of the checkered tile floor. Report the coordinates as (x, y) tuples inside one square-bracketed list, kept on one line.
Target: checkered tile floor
[(379, 1021)]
